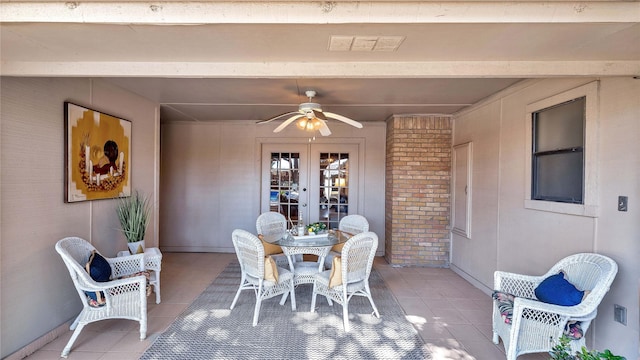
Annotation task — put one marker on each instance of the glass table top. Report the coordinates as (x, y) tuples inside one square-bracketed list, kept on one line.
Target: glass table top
[(330, 238)]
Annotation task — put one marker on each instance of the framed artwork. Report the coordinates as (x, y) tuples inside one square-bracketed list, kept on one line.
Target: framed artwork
[(97, 155)]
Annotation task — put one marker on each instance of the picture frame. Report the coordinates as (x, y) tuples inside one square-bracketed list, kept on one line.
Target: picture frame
[(274, 197), (97, 154)]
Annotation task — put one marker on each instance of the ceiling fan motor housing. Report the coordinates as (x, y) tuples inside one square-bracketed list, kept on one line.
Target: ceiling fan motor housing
[(304, 107)]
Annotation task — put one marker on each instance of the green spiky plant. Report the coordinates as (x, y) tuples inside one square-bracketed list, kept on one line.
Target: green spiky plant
[(133, 213)]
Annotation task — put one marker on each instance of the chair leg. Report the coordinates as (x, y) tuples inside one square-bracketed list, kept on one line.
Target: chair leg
[(293, 296), (156, 288), (74, 336), (237, 293), (313, 298), (345, 315), (143, 329), (284, 298), (75, 322), (236, 298), (375, 309), (256, 312)]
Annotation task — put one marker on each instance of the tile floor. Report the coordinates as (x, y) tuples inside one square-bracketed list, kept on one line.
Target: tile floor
[(453, 317)]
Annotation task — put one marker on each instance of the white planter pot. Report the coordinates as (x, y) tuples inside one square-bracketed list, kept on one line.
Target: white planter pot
[(136, 247)]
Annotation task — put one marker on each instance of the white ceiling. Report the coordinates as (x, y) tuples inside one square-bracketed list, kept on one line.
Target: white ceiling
[(251, 60)]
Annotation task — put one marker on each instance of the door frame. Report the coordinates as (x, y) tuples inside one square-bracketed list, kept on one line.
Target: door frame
[(359, 142)]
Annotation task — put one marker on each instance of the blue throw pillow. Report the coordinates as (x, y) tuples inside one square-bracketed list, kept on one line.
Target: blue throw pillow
[(99, 269), (557, 290)]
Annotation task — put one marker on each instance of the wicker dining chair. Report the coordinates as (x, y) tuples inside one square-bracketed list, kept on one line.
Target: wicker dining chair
[(356, 262), (351, 225), (250, 252), (273, 226), (537, 326), (125, 298)]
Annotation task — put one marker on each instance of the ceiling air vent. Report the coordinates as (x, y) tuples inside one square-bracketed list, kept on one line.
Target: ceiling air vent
[(365, 43)]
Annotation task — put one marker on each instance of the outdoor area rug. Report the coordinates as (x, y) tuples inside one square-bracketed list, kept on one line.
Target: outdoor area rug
[(207, 329)]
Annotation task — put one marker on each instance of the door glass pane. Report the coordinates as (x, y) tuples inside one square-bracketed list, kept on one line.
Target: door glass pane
[(334, 188), (284, 185)]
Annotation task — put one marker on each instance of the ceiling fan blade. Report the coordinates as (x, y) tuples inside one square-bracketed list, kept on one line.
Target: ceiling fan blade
[(287, 122), (319, 114), (277, 117), (344, 119), (324, 129)]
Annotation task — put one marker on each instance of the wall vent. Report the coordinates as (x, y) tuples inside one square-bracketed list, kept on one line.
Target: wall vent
[(365, 43), (620, 314)]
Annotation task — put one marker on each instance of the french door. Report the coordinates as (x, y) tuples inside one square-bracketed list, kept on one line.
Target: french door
[(310, 182)]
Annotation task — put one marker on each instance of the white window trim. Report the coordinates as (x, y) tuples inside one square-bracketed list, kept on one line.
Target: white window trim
[(590, 206)]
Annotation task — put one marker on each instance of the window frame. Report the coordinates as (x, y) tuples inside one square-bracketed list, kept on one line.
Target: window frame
[(539, 155), (589, 206)]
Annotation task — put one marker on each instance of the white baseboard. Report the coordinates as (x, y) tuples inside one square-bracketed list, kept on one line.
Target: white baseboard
[(471, 280), (39, 343)]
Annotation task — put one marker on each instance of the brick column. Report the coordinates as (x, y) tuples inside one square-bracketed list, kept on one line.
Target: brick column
[(418, 190)]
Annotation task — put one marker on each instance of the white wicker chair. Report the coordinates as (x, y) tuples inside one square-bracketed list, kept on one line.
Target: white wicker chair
[(352, 224), (250, 254), (537, 326), (273, 226), (125, 298), (357, 259)]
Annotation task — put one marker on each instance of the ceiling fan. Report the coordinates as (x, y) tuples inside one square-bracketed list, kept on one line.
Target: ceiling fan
[(311, 117)]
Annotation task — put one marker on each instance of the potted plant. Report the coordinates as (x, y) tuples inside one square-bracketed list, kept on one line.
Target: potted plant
[(561, 351), (316, 228), (133, 214)]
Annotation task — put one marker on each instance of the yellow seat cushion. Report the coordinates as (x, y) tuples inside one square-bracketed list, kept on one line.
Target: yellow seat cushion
[(269, 248), (335, 278), (343, 236), (270, 269)]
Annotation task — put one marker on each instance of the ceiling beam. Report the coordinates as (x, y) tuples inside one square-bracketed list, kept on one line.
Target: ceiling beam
[(428, 69), (317, 12)]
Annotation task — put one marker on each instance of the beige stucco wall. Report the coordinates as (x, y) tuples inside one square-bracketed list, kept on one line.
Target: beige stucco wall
[(211, 178), (504, 235), (37, 292), (507, 236)]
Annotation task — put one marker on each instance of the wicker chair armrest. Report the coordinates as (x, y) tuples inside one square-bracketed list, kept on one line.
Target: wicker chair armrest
[(576, 311), (516, 284), (126, 265), (126, 281), (92, 285)]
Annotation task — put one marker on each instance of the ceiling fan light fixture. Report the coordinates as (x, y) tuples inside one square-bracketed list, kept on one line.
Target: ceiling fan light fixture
[(302, 123), (309, 124), (316, 123)]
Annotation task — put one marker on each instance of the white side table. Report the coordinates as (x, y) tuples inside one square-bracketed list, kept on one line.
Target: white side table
[(152, 263)]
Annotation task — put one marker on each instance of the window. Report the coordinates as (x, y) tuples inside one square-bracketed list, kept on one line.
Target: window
[(561, 142), (558, 153)]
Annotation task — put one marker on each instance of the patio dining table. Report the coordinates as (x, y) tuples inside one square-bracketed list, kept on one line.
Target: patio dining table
[(318, 244)]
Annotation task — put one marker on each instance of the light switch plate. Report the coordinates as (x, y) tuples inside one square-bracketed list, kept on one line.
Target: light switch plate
[(622, 203)]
